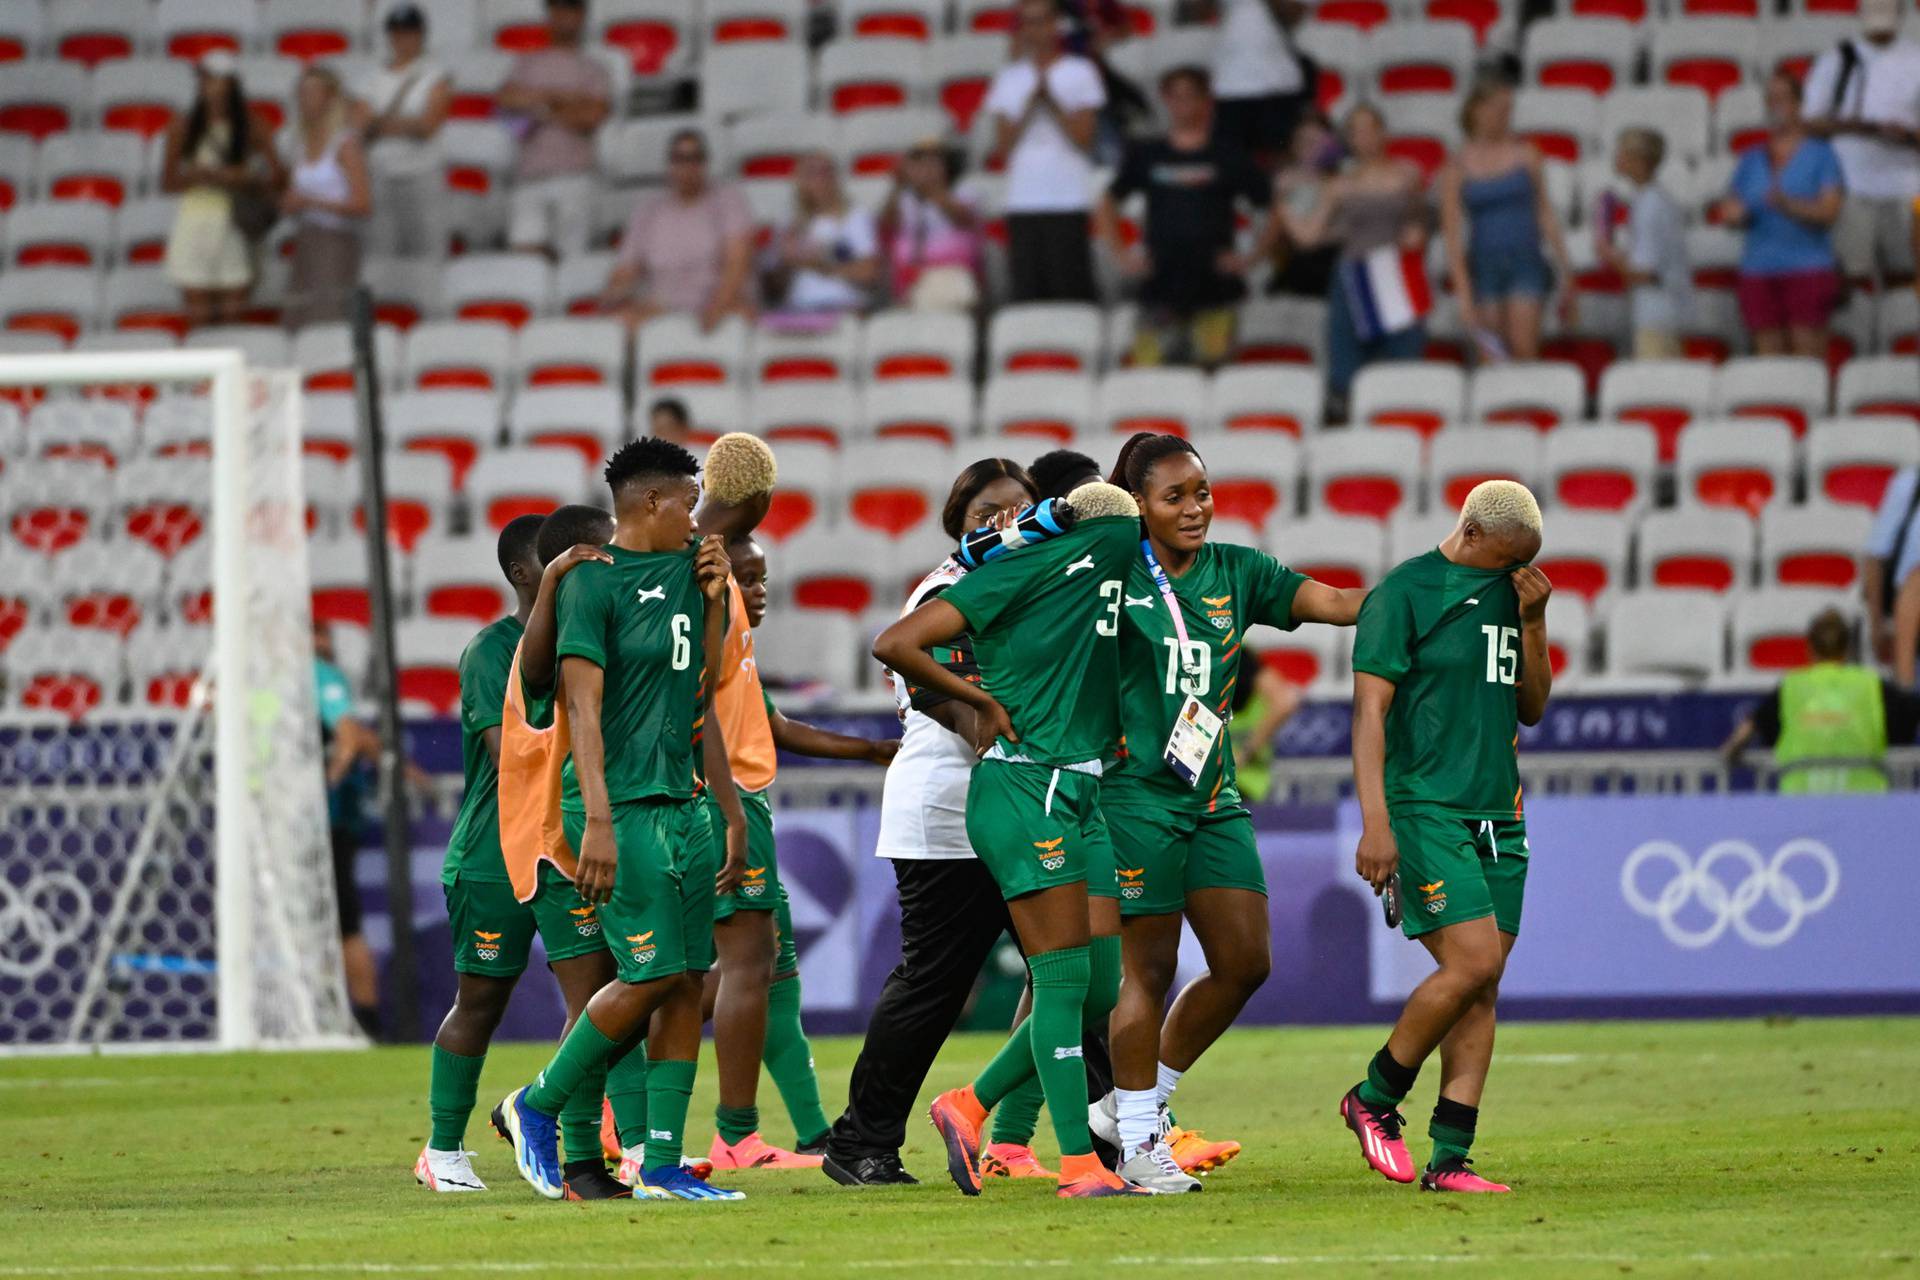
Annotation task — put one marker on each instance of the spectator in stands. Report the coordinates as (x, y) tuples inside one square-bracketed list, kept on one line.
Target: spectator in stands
[(1261, 81), (668, 419), (686, 249), (350, 749), (1044, 106), (828, 258), (1787, 195), (554, 100), (931, 228), (1313, 157), (405, 103), (1829, 723), (1377, 202), (328, 199), (1653, 259), (221, 163), (1890, 575), (1865, 95), (1189, 271), (1501, 228)]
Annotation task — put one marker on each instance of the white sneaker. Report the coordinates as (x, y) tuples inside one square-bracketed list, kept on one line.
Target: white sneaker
[(1103, 1118), (446, 1171), (1154, 1168)]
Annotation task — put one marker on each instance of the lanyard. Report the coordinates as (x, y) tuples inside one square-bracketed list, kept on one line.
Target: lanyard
[(1165, 585)]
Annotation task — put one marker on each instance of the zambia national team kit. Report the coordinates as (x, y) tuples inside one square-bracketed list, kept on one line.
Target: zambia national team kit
[(1448, 638)]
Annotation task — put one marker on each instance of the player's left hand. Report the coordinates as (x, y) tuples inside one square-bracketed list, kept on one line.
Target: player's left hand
[(711, 566), (735, 868), (883, 751), (1532, 587)]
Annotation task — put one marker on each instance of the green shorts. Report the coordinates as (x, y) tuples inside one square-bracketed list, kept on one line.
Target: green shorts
[(760, 890), (1038, 827), (1165, 854), (659, 921), (493, 931), (1454, 869)]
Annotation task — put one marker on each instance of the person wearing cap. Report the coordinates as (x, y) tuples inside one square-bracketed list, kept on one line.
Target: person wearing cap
[(931, 227), (404, 103), (554, 100), (216, 153), (686, 249), (1864, 94)]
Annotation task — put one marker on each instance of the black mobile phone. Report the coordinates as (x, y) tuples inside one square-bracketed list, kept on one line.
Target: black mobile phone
[(1390, 901)]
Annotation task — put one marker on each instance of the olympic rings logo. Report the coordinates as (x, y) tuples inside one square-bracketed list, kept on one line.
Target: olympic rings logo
[(1695, 883), (52, 910)]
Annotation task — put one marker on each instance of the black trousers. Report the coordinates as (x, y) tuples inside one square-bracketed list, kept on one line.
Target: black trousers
[(1050, 257), (951, 915)]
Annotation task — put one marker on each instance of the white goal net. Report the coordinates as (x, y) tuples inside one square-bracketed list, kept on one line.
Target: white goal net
[(165, 874)]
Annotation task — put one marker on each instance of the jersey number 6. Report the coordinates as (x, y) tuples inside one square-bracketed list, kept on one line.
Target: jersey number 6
[(682, 646)]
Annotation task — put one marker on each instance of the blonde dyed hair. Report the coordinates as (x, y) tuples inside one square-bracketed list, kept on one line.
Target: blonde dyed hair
[(739, 468), (1098, 498), (1501, 507)]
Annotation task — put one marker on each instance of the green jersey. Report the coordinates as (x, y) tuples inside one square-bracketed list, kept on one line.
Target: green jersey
[(473, 850), (1045, 622), (640, 620), (1227, 589), (1448, 637)]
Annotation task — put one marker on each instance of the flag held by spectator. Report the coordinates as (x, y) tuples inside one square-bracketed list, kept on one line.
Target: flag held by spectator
[(1386, 291)]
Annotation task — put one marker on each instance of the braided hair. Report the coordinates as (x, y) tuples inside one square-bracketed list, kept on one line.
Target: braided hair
[(1142, 453)]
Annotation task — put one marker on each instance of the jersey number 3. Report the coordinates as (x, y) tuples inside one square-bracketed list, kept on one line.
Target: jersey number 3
[(1503, 654), (1108, 623)]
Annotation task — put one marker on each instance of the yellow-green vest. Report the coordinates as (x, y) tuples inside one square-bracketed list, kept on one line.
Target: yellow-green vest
[(1833, 730)]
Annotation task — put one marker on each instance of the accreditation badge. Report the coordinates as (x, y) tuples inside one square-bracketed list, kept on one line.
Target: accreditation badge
[(1195, 733)]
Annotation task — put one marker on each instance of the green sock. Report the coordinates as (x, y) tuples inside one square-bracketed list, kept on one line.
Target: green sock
[(580, 1118), (736, 1123), (1018, 1114), (1451, 1130), (669, 1087), (627, 1091), (1387, 1082), (450, 1091), (1059, 1002), (584, 1052), (1103, 979), (789, 1060), (1009, 1069)]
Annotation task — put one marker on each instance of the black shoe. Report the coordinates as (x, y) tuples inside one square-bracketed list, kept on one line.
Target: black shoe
[(869, 1171), (589, 1180), (818, 1147)]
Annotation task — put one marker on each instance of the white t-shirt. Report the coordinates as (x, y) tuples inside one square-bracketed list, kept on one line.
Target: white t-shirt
[(1885, 88), (404, 92), (923, 803), (1657, 243), (1045, 172), (847, 237), (1251, 59)]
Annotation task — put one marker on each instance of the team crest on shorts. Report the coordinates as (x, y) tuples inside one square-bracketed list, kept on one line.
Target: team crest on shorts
[(1051, 856), (585, 922), (486, 946), (643, 948), (1431, 898), (1217, 611), (1132, 882), (754, 882)]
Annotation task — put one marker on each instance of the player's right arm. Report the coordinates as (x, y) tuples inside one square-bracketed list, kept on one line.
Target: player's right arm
[(904, 647), (1378, 855), (585, 683), (543, 626)]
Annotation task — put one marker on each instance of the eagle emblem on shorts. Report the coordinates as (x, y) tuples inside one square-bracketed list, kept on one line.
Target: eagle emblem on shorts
[(585, 922), (1051, 856), (1132, 882), (754, 882), (643, 949), (1431, 898), (486, 946)]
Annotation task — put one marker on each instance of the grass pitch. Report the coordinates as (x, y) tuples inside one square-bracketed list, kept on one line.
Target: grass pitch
[(1736, 1148)]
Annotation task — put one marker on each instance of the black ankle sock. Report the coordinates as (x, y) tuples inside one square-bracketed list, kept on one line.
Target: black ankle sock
[(1399, 1078), (576, 1168), (1455, 1115)]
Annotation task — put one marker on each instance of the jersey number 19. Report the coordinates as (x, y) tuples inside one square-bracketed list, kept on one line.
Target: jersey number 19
[(1503, 656)]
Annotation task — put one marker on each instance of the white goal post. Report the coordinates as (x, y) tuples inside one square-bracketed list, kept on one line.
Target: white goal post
[(164, 859)]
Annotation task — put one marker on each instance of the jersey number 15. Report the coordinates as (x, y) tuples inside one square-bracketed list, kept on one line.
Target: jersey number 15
[(1503, 653)]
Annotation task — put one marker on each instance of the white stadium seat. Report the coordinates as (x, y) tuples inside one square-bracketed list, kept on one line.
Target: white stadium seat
[(1696, 548), (1815, 545), (1266, 397), (1362, 473), (1673, 634), (1150, 399), (1603, 467), (1741, 465), (1459, 459), (1413, 394), (1585, 552)]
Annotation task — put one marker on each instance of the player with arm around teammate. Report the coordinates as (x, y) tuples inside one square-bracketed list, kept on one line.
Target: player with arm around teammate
[(1182, 835), (1449, 660)]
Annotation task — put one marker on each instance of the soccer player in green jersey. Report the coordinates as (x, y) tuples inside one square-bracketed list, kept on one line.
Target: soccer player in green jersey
[(492, 930), (634, 636), (1183, 838), (1045, 623), (1449, 660)]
